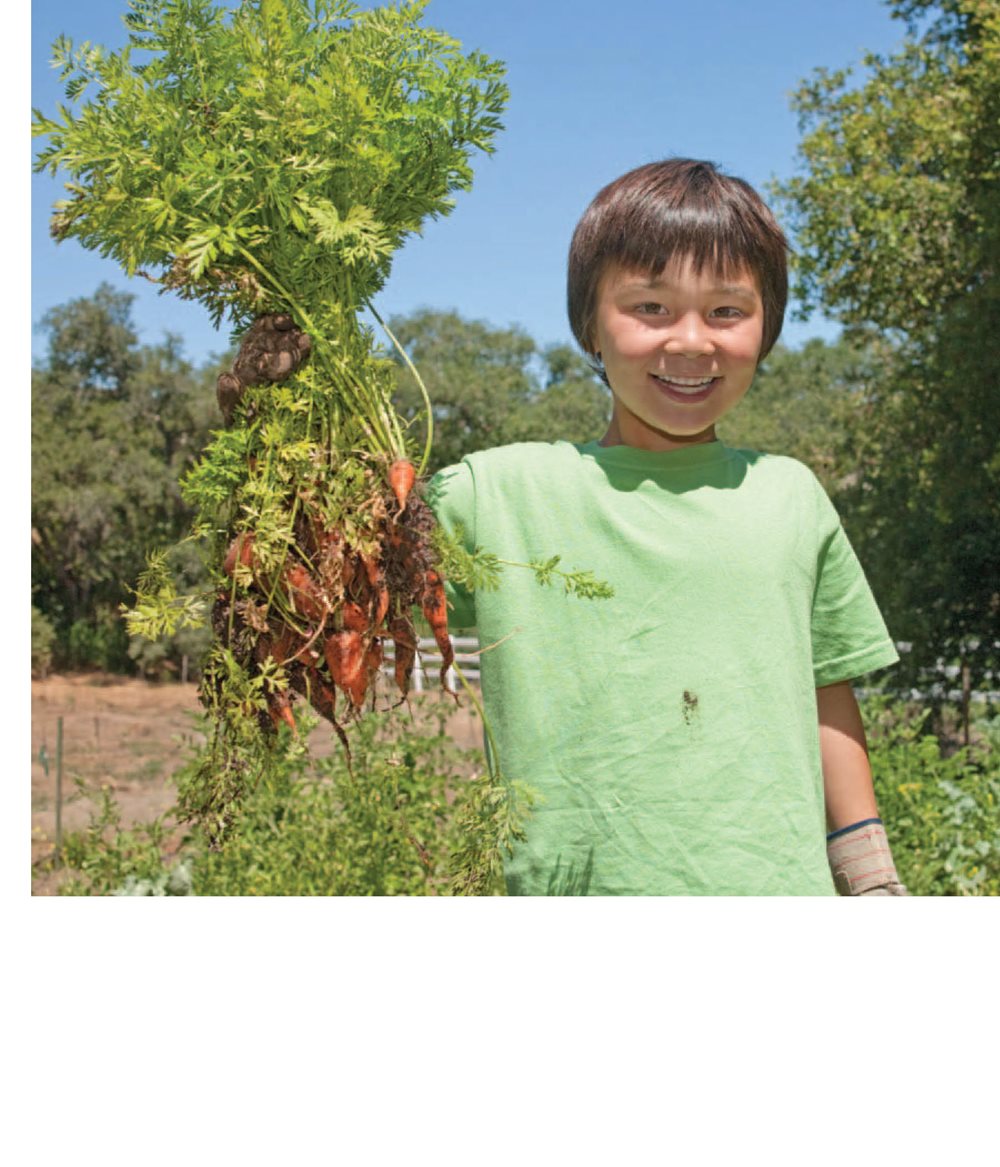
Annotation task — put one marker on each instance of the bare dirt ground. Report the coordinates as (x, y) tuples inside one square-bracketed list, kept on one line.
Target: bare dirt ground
[(132, 735)]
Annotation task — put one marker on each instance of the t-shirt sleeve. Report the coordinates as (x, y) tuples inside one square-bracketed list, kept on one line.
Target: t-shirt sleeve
[(451, 495), (849, 636)]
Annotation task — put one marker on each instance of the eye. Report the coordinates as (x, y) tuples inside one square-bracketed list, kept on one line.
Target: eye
[(650, 308), (728, 312)]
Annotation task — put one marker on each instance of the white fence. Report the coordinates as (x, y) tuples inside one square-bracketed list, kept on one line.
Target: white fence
[(427, 667)]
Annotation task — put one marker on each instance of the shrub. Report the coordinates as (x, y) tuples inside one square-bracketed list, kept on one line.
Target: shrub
[(392, 824), (99, 641), (43, 637), (388, 826), (163, 659), (941, 812), (105, 858)]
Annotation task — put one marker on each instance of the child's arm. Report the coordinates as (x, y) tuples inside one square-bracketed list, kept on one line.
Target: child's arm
[(847, 776), (857, 847)]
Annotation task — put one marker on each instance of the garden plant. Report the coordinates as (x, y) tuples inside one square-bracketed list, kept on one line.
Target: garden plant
[(267, 161)]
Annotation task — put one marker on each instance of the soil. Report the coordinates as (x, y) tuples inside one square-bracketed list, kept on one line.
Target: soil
[(132, 735)]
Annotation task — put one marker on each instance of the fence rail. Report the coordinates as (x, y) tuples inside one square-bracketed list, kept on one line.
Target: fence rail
[(427, 667)]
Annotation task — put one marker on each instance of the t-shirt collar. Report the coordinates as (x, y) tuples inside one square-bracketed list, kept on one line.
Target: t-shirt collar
[(701, 454)]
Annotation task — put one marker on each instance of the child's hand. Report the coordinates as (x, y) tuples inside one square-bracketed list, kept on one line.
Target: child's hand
[(861, 862), (271, 351)]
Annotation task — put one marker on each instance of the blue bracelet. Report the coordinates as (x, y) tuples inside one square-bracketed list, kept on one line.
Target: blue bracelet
[(852, 827)]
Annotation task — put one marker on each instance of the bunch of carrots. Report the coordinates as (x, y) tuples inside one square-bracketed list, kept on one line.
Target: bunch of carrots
[(325, 615), (285, 151)]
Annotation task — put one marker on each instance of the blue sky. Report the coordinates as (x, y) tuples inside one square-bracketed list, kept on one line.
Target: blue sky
[(596, 89)]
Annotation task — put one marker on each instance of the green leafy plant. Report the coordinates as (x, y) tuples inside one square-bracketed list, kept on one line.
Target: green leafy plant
[(43, 636), (105, 856), (413, 815), (266, 161), (941, 811)]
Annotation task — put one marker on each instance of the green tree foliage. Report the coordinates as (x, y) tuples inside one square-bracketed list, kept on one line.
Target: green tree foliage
[(814, 404), (897, 225), (114, 425), (569, 403), (491, 386)]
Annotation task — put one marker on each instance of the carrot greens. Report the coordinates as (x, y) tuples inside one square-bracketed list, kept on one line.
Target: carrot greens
[(267, 160)]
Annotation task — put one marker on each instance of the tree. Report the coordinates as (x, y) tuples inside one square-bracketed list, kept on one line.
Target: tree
[(896, 220), (114, 425), (491, 386), (570, 403), (897, 226), (814, 404)]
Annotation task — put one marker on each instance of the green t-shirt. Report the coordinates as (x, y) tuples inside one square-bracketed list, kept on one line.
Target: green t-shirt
[(671, 732)]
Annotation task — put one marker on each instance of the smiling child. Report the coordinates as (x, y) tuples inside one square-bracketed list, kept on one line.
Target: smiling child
[(698, 733)]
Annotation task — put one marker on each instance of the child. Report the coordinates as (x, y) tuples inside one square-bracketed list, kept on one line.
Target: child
[(688, 735)]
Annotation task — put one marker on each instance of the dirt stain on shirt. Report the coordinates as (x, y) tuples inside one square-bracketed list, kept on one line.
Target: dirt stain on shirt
[(689, 706)]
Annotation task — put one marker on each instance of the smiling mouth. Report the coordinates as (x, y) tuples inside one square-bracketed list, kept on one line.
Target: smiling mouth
[(686, 386)]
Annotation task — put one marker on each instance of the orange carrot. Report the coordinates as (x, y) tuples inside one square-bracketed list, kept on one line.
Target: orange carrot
[(433, 602), (435, 609), (348, 570), (322, 696), (405, 640), (372, 662), (287, 645), (280, 707), (304, 592), (373, 657), (371, 570), (240, 551), (402, 476), (324, 701), (355, 618), (344, 657), (382, 605)]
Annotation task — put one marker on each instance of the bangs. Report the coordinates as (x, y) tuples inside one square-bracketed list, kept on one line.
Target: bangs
[(653, 238)]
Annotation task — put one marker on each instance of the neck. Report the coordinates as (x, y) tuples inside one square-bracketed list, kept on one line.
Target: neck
[(647, 438)]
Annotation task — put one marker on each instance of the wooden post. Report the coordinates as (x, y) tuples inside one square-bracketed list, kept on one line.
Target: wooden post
[(59, 754)]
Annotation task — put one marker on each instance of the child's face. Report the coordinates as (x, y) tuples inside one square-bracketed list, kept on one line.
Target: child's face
[(679, 350)]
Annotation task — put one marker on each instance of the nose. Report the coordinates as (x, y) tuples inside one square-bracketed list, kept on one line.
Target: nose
[(689, 337)]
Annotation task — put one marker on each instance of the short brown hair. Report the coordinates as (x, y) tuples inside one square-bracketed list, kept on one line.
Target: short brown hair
[(670, 210)]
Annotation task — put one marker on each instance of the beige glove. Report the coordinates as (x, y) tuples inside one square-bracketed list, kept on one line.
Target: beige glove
[(861, 862)]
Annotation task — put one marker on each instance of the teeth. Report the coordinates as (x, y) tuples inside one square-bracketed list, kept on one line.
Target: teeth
[(685, 382), (694, 384)]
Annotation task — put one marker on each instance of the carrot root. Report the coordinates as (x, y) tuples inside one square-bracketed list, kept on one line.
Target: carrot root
[(402, 475)]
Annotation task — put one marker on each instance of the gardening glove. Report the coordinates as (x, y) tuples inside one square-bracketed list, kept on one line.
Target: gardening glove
[(861, 862), (272, 349)]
